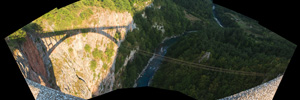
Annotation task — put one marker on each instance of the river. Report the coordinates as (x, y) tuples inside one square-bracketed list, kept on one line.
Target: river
[(154, 62)]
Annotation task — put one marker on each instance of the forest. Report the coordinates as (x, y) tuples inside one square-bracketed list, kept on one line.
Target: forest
[(205, 84), (235, 47), (148, 38), (241, 45)]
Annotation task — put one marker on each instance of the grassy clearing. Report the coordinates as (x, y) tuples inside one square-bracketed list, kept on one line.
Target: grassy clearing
[(190, 17)]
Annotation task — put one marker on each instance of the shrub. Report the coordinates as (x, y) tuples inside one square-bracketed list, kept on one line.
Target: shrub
[(105, 66), (117, 36), (108, 4), (84, 34), (87, 48), (97, 54), (109, 52), (18, 36), (86, 14), (70, 50), (93, 65), (33, 27), (69, 40)]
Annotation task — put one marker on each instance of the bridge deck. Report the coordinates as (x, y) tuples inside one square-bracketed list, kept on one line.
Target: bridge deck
[(41, 92), (265, 91)]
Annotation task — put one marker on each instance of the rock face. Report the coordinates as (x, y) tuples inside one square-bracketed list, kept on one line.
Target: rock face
[(205, 56), (72, 59), (265, 91), (76, 63), (35, 62), (31, 63)]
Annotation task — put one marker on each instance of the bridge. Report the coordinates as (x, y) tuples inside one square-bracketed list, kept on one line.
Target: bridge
[(45, 44), (64, 34)]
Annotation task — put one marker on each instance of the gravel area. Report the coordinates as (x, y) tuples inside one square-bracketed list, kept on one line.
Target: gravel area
[(44, 93), (265, 91)]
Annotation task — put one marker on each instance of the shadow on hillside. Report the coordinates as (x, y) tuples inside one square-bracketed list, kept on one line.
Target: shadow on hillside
[(63, 35)]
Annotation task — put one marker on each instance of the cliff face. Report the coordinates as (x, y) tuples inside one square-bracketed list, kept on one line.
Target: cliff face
[(76, 63), (77, 69), (30, 62), (37, 68)]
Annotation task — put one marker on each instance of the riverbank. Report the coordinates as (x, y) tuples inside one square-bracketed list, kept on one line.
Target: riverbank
[(146, 76)]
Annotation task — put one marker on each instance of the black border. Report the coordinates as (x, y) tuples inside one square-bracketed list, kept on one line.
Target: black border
[(278, 16)]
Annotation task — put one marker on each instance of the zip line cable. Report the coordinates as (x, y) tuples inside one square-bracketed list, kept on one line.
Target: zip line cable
[(207, 67)]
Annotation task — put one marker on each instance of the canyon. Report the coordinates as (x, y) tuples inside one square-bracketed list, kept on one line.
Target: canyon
[(63, 61), (90, 48)]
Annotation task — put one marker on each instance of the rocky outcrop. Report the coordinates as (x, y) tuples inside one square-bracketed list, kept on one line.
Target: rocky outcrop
[(64, 61), (205, 56), (159, 27), (130, 57), (71, 60)]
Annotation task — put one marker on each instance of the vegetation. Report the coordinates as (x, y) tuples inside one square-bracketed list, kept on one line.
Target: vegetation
[(16, 38), (97, 54), (230, 49), (87, 48), (69, 40), (148, 38), (235, 47), (108, 4), (74, 14), (86, 14), (69, 17), (109, 52), (70, 50), (93, 65), (84, 34), (199, 8), (117, 35), (105, 66)]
